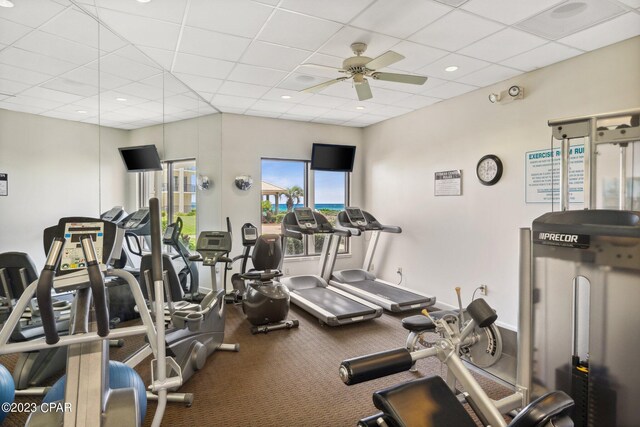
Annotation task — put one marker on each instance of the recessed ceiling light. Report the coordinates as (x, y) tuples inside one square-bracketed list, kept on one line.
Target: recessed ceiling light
[(304, 78), (121, 99), (451, 68), (81, 111), (286, 97), (6, 3), (359, 107), (144, 1)]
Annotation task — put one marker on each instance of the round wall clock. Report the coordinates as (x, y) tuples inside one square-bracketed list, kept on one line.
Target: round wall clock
[(489, 169)]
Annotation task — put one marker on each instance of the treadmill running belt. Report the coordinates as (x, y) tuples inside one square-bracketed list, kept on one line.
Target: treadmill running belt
[(391, 293), (341, 306)]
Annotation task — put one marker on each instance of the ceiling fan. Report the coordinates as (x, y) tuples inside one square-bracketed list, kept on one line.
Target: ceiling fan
[(360, 67)]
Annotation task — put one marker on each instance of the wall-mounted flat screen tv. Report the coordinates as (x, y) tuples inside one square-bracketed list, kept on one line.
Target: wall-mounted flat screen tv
[(329, 157), (142, 158)]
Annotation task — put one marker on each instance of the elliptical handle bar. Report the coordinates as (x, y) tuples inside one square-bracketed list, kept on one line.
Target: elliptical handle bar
[(43, 291), (156, 241), (96, 281)]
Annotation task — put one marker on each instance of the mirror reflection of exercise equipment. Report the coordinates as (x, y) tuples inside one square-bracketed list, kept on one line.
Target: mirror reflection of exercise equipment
[(580, 271)]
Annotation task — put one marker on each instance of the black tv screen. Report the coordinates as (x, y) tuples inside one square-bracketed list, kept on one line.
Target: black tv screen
[(141, 159), (328, 157)]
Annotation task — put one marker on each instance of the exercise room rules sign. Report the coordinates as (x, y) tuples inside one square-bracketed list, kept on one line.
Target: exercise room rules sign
[(542, 169)]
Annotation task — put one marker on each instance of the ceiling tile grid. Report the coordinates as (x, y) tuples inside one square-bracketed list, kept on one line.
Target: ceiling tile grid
[(246, 56)]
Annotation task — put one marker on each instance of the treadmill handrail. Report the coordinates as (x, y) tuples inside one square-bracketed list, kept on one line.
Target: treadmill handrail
[(391, 229)]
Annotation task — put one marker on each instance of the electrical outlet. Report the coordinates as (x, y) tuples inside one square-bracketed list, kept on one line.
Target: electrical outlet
[(483, 289), (286, 271), (399, 271)]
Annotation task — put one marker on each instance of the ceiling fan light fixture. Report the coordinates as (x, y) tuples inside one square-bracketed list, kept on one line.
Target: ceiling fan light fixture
[(6, 3), (358, 78)]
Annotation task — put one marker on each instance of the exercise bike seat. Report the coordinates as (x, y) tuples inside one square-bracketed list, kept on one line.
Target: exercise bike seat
[(554, 405), (418, 323), (425, 402)]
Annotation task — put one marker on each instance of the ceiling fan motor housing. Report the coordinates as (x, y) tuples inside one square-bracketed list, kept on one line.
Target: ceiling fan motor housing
[(356, 64)]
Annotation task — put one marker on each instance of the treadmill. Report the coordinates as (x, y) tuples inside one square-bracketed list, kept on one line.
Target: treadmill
[(330, 305), (361, 282)]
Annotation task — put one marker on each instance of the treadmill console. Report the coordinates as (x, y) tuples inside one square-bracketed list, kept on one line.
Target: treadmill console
[(136, 220), (212, 245), (249, 234), (356, 217), (305, 218), (114, 214)]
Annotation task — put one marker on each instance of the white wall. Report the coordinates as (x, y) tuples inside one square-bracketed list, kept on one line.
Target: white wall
[(55, 169), (473, 239), (247, 139)]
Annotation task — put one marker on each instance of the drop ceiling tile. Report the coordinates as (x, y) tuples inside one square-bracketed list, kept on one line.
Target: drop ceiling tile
[(113, 95), (308, 111), (386, 96), (416, 55), (631, 3), (295, 30), (489, 75), (53, 95), (455, 30), (123, 67), (342, 89), (355, 124), (392, 111), (502, 45), (34, 61), (58, 47), (242, 89), (542, 56), (226, 101), (508, 11), (171, 11), (238, 17), (10, 87), (110, 41), (369, 106), (274, 56), (400, 18), (449, 90), (431, 83), (91, 110), (167, 82), (155, 106), (21, 107), (276, 94), (272, 106), (32, 13), (83, 86), (107, 81), (200, 83), (295, 117), (142, 31), (312, 69), (133, 53), (340, 44), (232, 110), (465, 64), (75, 25), (141, 90), (256, 75), (570, 17), (162, 57), (327, 121), (21, 75), (333, 10), (263, 113), (615, 30), (35, 102), (417, 101), (199, 65), (340, 115), (325, 101), (188, 101), (268, 2), (137, 113), (11, 31), (211, 44), (299, 81), (73, 116), (369, 119)]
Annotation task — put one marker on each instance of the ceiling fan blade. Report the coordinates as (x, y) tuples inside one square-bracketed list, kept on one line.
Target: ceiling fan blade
[(400, 78), (323, 67), (384, 60), (364, 91), (321, 86)]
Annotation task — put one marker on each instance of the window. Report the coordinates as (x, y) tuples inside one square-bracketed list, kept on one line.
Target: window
[(286, 184), (178, 186)]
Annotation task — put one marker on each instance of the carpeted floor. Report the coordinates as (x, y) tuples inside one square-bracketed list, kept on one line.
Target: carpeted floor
[(284, 378)]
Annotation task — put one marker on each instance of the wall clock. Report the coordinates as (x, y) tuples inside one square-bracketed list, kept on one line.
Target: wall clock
[(489, 169)]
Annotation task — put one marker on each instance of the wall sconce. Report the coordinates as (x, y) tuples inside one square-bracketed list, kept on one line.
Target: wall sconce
[(506, 96)]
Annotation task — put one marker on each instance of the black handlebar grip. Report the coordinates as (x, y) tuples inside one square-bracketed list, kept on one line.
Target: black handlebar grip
[(96, 281), (43, 291), (372, 366), (156, 240), (482, 313)]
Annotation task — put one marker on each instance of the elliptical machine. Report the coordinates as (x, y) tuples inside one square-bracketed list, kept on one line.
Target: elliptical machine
[(265, 301), (188, 275)]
